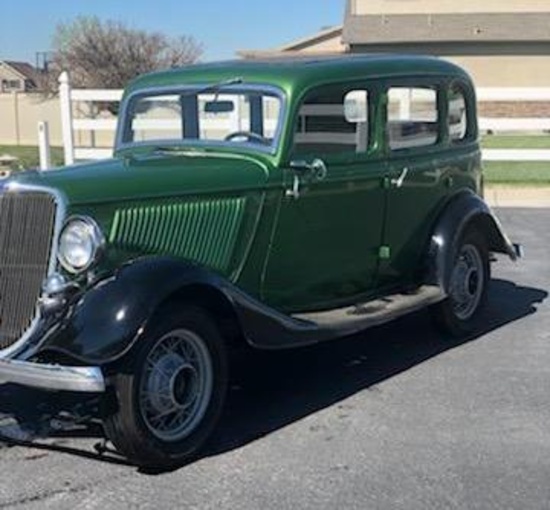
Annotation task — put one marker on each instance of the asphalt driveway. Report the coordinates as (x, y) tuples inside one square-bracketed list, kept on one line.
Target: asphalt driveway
[(397, 417)]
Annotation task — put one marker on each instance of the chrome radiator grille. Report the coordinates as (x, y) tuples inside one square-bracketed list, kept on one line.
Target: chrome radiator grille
[(27, 223)]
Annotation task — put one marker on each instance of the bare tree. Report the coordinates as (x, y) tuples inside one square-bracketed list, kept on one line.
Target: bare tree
[(108, 54)]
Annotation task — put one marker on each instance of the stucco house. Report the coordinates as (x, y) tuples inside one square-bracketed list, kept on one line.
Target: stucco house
[(17, 77), (500, 42)]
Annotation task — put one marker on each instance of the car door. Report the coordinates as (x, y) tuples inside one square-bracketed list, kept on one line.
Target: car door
[(325, 245), (418, 175)]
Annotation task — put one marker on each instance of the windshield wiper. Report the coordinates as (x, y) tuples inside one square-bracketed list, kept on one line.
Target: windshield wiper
[(215, 87)]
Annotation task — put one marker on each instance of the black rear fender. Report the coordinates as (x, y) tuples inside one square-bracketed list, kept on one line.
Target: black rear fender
[(465, 211)]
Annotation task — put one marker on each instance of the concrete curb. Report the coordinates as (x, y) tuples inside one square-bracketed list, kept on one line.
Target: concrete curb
[(517, 196)]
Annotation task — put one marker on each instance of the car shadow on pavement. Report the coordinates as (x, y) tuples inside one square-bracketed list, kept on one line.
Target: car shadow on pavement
[(274, 389), (279, 388)]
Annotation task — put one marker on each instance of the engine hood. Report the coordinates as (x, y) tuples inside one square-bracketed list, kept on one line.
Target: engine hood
[(151, 176)]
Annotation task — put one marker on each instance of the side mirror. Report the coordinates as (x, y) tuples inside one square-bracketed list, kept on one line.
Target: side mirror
[(356, 106)]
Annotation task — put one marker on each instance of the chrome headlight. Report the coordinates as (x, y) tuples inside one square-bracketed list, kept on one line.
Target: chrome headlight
[(80, 244)]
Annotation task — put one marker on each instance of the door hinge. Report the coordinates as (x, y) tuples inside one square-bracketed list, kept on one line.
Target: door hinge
[(384, 252)]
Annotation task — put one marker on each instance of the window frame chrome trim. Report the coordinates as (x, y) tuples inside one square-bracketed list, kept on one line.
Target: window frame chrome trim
[(272, 149), (60, 213)]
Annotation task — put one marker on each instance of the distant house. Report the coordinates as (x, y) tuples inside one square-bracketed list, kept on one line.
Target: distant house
[(17, 77), (325, 42)]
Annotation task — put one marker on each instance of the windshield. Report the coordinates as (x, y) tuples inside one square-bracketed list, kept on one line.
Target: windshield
[(231, 116)]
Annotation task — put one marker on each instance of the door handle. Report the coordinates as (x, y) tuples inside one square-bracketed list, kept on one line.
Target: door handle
[(397, 183), (316, 170)]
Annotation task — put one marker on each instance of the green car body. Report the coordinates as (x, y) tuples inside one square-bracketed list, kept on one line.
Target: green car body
[(245, 191), (286, 236)]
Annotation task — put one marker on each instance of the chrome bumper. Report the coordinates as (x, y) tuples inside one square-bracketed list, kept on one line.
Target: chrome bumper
[(52, 377)]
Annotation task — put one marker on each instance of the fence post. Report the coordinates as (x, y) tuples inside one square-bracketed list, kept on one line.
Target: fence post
[(17, 122), (44, 146), (66, 117)]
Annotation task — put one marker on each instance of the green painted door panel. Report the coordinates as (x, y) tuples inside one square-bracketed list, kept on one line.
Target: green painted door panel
[(325, 246), (417, 184), (432, 178)]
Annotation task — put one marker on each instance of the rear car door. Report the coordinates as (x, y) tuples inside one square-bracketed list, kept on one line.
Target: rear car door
[(418, 175)]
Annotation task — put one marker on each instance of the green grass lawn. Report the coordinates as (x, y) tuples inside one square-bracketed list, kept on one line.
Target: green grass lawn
[(28, 155), (516, 142), (530, 173)]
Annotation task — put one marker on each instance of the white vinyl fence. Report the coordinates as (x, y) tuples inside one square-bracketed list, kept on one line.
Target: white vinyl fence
[(71, 125), (507, 125)]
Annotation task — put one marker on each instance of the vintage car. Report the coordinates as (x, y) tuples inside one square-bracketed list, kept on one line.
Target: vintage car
[(271, 204)]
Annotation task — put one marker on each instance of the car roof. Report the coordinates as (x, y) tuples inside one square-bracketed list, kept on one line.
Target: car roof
[(290, 73)]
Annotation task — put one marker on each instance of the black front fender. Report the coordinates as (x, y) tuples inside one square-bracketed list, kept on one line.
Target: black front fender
[(107, 319)]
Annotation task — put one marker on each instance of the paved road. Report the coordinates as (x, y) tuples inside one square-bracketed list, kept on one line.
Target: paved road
[(393, 418)]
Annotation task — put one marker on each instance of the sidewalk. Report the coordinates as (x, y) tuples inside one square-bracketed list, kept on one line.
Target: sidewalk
[(517, 196)]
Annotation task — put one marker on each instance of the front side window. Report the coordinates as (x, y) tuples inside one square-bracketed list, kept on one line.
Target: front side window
[(235, 117), (412, 117), (333, 120)]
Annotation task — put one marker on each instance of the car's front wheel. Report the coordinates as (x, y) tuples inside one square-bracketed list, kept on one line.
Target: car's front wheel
[(170, 392), (469, 277)]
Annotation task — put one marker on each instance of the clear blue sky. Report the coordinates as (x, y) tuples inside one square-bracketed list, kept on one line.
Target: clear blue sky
[(223, 27)]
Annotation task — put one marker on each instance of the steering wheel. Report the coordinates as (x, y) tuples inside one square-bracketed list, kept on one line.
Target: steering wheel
[(249, 135)]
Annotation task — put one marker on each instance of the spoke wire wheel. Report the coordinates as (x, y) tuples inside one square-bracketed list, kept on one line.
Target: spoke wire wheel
[(467, 282), (166, 396), (176, 386)]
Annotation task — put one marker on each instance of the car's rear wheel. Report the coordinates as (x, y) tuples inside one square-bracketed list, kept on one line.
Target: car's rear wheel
[(469, 277), (170, 392)]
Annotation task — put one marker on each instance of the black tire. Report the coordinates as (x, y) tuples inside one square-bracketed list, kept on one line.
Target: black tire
[(460, 314), (131, 425)]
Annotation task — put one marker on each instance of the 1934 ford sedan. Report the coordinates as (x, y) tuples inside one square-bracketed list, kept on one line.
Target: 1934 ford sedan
[(275, 204)]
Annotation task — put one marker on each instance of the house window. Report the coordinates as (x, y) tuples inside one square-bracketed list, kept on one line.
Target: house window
[(10, 85)]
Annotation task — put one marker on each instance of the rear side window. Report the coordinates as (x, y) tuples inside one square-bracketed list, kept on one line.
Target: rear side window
[(458, 114), (412, 117), (333, 120)]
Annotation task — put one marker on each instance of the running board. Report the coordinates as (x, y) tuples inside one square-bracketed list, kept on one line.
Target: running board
[(373, 313)]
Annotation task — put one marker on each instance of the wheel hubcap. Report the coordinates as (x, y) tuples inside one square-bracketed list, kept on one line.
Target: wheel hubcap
[(176, 386), (467, 282)]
